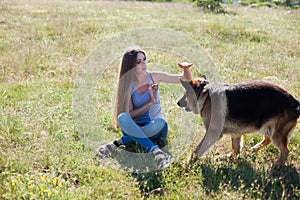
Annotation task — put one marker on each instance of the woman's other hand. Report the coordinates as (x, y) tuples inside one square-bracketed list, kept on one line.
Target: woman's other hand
[(153, 86)]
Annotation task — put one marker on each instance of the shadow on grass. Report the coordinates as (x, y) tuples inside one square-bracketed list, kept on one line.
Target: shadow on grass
[(279, 183), (142, 166), (134, 158), (150, 183)]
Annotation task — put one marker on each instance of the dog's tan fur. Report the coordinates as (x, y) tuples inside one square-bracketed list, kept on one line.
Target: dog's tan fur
[(211, 102)]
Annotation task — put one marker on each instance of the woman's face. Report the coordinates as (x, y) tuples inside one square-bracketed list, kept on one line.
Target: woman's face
[(141, 64)]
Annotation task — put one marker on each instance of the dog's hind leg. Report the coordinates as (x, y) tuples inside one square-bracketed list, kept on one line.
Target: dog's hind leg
[(262, 144), (267, 130), (280, 138)]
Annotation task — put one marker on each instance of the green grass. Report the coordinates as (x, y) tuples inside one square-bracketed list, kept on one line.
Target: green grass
[(43, 47)]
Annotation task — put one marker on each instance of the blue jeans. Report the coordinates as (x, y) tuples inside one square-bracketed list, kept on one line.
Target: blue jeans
[(147, 135)]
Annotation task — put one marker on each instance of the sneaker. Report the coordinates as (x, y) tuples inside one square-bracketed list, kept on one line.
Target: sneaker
[(107, 149), (162, 159)]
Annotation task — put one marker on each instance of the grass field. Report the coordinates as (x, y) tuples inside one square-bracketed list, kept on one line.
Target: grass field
[(45, 47)]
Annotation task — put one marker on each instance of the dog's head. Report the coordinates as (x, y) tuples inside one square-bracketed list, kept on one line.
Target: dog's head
[(194, 90)]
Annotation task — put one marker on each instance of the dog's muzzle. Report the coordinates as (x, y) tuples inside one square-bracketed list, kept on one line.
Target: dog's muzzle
[(187, 109), (183, 104)]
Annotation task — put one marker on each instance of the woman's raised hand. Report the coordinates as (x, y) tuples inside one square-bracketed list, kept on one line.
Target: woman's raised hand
[(184, 65)]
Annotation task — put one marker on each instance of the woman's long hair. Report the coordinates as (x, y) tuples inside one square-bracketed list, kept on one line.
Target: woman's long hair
[(126, 77)]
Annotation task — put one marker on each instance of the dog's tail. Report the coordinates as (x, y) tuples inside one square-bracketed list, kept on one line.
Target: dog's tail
[(298, 110), (297, 107)]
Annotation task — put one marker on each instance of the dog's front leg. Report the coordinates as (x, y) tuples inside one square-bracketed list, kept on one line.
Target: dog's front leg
[(217, 121), (210, 138), (237, 144)]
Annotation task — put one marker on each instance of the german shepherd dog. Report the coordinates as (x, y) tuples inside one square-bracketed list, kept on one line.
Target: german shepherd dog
[(237, 109)]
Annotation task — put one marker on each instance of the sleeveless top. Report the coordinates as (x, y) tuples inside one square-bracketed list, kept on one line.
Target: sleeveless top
[(139, 100)]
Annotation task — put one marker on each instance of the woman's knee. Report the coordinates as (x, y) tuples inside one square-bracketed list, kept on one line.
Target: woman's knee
[(123, 118), (161, 128), (161, 138)]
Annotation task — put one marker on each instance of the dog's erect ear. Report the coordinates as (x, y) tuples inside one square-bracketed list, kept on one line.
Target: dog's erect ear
[(202, 76), (185, 84), (204, 83)]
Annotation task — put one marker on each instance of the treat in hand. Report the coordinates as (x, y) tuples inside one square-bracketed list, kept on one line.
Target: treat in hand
[(185, 65), (154, 86)]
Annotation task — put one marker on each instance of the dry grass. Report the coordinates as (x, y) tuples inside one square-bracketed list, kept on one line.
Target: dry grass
[(43, 48)]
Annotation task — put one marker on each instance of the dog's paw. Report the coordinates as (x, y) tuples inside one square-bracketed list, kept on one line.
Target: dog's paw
[(192, 159), (229, 155), (255, 148)]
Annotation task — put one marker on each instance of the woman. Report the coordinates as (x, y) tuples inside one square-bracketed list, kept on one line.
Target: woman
[(138, 110)]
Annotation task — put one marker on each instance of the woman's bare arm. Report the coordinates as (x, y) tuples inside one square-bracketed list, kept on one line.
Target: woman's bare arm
[(174, 78)]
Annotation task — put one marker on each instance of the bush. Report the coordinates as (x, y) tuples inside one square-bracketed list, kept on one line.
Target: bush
[(271, 3), (211, 5)]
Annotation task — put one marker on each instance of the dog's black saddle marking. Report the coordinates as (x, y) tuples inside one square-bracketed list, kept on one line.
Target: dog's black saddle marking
[(257, 101)]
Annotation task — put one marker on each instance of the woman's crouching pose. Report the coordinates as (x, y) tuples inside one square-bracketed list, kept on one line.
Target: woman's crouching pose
[(138, 110)]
